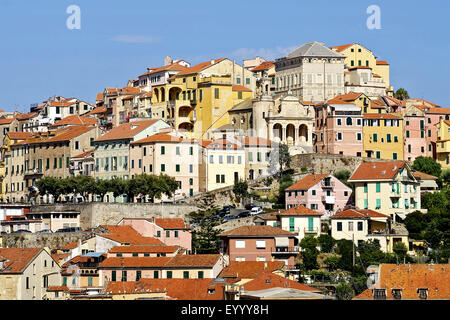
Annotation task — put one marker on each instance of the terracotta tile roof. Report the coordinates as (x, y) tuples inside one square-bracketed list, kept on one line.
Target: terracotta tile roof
[(17, 258), (377, 104), (144, 249), (250, 269), (71, 245), (194, 260), (22, 116), (381, 116), (84, 154), (439, 110), (344, 98), (97, 110), (377, 170), (131, 262), (145, 95), (410, 278), (423, 176), (254, 141), (61, 103), (308, 182), (424, 102), (127, 130), (126, 234), (358, 214), (19, 135), (199, 67), (381, 62), (256, 231), (299, 211), (6, 120), (57, 288), (59, 257), (75, 120), (270, 280), (171, 223), (161, 137), (240, 88), (62, 134), (173, 67), (99, 96), (342, 47), (179, 289), (266, 65)]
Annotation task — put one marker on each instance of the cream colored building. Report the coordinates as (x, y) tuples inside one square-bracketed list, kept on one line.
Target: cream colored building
[(26, 273), (388, 187), (222, 164)]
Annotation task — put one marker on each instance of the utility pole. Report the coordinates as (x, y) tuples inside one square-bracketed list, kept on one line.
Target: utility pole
[(353, 242)]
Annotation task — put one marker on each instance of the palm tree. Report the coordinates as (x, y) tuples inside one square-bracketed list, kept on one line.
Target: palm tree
[(401, 94)]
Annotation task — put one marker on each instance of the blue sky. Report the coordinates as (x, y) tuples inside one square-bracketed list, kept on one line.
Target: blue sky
[(118, 40)]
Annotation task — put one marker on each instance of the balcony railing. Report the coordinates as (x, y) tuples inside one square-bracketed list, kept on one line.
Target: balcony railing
[(285, 250), (33, 171), (329, 199), (311, 230), (330, 184)]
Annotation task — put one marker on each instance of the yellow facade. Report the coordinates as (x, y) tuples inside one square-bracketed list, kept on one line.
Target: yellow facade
[(357, 55), (383, 136), (443, 144), (198, 103)]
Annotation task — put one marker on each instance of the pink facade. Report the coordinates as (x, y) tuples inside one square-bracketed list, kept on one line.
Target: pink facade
[(326, 194), (338, 130), (259, 249), (178, 160), (416, 136), (172, 232), (147, 273), (432, 119)]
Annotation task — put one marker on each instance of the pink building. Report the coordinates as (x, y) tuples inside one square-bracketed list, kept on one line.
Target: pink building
[(259, 243), (163, 153), (320, 192), (171, 231), (416, 136), (338, 129)]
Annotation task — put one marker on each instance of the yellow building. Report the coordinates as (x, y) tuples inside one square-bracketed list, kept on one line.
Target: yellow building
[(383, 136), (443, 144), (357, 55), (197, 99)]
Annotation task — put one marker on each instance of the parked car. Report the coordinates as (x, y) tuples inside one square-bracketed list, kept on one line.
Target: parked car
[(21, 231), (256, 210), (72, 229), (250, 206), (45, 231), (229, 217), (244, 214)]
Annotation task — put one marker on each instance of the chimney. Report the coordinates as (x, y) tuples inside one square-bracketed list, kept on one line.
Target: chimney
[(167, 60), (212, 61)]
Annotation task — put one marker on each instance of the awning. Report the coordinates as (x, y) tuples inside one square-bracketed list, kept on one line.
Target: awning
[(281, 241)]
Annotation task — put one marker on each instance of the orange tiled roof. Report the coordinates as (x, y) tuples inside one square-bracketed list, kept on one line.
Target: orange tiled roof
[(266, 65), (173, 66), (179, 289), (220, 144), (84, 154), (127, 130), (75, 120), (19, 135), (345, 98), (240, 88), (299, 211), (61, 103), (411, 277), (377, 104), (26, 116), (439, 110), (171, 223), (358, 213), (161, 137), (423, 176), (199, 67), (97, 110), (71, 245), (143, 249), (382, 62), (342, 47), (17, 258), (193, 260), (126, 234), (270, 280), (149, 262), (259, 231), (359, 67), (63, 134), (99, 96), (57, 288), (250, 269), (377, 170), (6, 120), (308, 182)]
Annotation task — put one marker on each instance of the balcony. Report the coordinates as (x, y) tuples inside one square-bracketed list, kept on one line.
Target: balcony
[(329, 199), (36, 171), (324, 184), (311, 230), (285, 250)]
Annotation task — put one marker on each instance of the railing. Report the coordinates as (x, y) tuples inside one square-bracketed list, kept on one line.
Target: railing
[(284, 250), (311, 230), (33, 171), (329, 199), (330, 184)]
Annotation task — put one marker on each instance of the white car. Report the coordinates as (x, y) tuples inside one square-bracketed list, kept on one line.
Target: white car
[(256, 210)]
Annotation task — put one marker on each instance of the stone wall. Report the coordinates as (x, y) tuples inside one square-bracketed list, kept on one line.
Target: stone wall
[(93, 214), (40, 240)]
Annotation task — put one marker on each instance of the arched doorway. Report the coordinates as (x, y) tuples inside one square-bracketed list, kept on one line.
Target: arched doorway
[(303, 133), (163, 95), (185, 126), (290, 134), (278, 132), (156, 94)]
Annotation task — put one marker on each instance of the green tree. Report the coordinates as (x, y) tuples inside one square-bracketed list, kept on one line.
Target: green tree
[(427, 165), (445, 176), (435, 202), (343, 176), (50, 186), (100, 188), (326, 243), (332, 262), (240, 189), (309, 252), (400, 250), (359, 284), (205, 236), (401, 94), (415, 223), (370, 253), (344, 291), (345, 249)]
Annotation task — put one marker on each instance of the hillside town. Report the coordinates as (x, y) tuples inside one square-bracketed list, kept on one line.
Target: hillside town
[(309, 177)]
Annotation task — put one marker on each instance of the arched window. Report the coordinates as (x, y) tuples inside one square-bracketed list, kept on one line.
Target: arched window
[(349, 121)]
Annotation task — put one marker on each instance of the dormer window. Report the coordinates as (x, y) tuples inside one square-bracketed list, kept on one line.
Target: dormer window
[(423, 293), (379, 294), (397, 294)]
